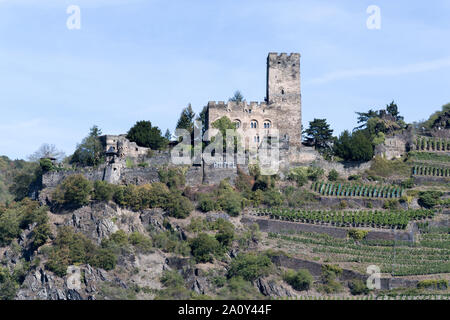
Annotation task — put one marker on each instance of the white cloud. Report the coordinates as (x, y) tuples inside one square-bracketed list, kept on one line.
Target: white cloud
[(382, 71)]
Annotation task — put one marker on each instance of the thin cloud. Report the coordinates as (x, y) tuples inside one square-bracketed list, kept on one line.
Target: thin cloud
[(382, 71)]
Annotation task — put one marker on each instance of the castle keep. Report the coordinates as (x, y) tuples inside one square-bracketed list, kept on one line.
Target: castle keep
[(281, 109)]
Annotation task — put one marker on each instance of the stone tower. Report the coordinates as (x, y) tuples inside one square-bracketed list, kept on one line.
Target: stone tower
[(283, 93), (281, 111)]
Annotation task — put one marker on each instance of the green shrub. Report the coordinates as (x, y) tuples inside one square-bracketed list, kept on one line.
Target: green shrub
[(74, 191), (358, 287), (103, 191), (225, 235), (333, 175), (429, 199), (440, 284), (391, 204), (71, 248), (315, 173), (178, 206), (204, 247), (172, 177), (250, 266), (272, 198), (46, 165), (142, 242), (8, 285), (299, 175), (300, 280), (206, 203), (357, 234)]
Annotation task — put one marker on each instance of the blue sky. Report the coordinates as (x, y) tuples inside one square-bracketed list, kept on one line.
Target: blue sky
[(147, 59)]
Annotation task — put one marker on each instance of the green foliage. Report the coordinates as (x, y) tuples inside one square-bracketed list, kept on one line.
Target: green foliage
[(16, 177), (204, 247), (319, 134), (170, 241), (429, 199), (103, 191), (357, 234), (73, 192), (296, 197), (391, 204), (71, 248), (46, 165), (147, 136), (356, 146), (299, 175), (238, 288), (437, 284), (329, 275), (172, 177), (20, 216), (8, 285), (250, 266), (178, 206), (300, 280), (333, 175), (90, 151), (387, 168), (237, 97), (141, 242), (358, 287)]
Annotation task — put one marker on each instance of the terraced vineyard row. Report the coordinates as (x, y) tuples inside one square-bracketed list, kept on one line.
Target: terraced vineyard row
[(365, 218), (396, 258), (432, 144), (430, 171), (356, 190)]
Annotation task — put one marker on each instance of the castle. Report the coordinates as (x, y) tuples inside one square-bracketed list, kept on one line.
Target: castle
[(281, 110)]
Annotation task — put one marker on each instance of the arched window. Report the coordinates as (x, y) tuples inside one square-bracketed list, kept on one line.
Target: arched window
[(253, 124), (267, 124), (256, 139), (237, 123)]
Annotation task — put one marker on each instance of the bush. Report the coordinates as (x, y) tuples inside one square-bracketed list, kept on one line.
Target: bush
[(315, 173), (333, 175), (356, 146), (206, 203), (230, 202), (73, 192), (429, 199), (299, 175), (204, 247), (440, 284), (172, 177), (225, 235), (103, 191), (46, 165), (358, 287), (357, 234), (300, 280), (391, 204), (250, 266), (329, 275), (272, 198), (140, 242), (408, 183), (178, 206), (8, 285), (71, 248)]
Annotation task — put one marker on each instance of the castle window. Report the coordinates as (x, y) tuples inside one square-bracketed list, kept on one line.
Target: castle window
[(237, 123), (256, 138), (282, 91), (254, 124), (267, 124), (249, 110)]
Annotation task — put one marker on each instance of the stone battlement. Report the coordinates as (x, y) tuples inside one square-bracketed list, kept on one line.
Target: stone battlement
[(232, 105)]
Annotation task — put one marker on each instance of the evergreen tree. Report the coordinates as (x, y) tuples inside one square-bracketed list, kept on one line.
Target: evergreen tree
[(90, 152), (147, 136), (186, 120), (319, 134), (237, 97)]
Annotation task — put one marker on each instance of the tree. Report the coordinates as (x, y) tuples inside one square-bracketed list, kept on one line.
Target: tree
[(319, 134), (237, 97), (47, 151), (90, 152), (363, 117), (250, 266), (186, 120), (74, 191), (354, 147), (204, 247), (300, 280), (392, 109), (147, 136), (168, 135)]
